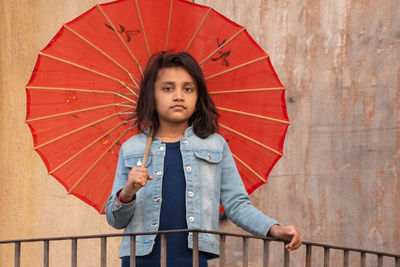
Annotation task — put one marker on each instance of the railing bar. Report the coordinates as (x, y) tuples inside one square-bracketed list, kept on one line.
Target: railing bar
[(195, 249), (132, 259), (17, 254), (103, 258), (200, 231), (286, 256), (326, 247), (74, 252), (266, 254), (380, 260), (245, 251), (163, 250), (222, 250), (326, 257), (46, 253), (363, 259), (345, 258), (308, 255)]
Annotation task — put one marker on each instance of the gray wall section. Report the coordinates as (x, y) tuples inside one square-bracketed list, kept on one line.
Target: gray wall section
[(339, 178), (339, 60)]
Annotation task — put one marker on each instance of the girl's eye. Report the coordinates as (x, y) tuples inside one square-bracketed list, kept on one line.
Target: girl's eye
[(167, 88), (188, 89)]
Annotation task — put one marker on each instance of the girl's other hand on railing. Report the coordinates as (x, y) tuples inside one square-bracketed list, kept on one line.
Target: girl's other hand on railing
[(289, 233)]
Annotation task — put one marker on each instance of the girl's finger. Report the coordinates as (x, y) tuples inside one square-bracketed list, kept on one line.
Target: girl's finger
[(295, 244), (290, 246)]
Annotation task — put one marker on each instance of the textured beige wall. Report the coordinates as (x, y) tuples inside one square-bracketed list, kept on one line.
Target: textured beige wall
[(339, 178), (34, 204)]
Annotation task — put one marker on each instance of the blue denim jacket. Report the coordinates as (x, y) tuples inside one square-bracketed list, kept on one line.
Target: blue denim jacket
[(211, 178)]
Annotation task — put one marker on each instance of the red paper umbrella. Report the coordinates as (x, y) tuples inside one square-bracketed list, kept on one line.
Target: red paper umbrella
[(85, 85)]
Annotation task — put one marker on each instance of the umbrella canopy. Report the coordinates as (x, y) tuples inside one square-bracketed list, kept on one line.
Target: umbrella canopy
[(86, 80)]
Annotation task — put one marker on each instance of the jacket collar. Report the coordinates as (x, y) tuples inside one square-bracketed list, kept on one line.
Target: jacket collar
[(188, 133)]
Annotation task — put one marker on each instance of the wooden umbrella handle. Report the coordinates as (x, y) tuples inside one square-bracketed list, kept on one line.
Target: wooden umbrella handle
[(148, 145)]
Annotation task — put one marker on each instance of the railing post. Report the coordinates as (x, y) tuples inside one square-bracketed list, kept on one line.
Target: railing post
[(308, 255), (380, 260), (326, 257), (245, 252), (74, 253), (286, 256), (132, 259), (397, 262), (163, 250), (362, 259), (46, 253), (195, 249), (103, 252), (266, 253), (17, 254), (345, 258), (222, 250)]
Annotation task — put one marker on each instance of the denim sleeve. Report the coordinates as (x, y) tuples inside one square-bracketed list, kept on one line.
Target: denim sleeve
[(236, 201), (119, 214)]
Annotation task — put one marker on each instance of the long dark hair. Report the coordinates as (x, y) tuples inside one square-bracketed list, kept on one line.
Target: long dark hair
[(205, 116)]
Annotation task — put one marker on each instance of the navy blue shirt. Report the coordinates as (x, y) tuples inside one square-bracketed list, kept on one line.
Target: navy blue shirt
[(172, 217)]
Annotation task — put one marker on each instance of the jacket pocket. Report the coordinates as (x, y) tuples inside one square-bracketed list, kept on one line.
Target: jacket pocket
[(209, 156), (131, 161)]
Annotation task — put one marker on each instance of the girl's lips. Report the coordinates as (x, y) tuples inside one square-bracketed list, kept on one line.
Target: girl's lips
[(178, 107)]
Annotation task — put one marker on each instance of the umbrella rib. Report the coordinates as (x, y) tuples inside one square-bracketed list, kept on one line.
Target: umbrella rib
[(105, 203), (77, 111), (134, 79), (249, 168), (251, 139), (223, 45), (127, 98), (169, 24), (141, 24), (253, 115), (197, 30), (120, 38), (97, 161), (78, 90), (237, 67), (79, 129), (247, 90), (85, 68), (87, 147)]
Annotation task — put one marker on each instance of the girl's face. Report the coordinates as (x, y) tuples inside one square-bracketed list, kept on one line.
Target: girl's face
[(175, 93)]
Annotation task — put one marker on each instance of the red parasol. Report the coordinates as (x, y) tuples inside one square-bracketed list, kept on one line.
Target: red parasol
[(85, 85)]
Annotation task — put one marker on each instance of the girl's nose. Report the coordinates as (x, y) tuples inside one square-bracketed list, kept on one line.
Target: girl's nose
[(179, 94)]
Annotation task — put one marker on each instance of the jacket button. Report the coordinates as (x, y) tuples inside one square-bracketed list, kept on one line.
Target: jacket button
[(190, 193), (188, 168), (155, 225), (158, 200), (191, 219), (158, 173), (186, 142), (139, 163), (162, 148)]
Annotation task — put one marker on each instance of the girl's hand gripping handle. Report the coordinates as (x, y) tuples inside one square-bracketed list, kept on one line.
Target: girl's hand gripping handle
[(137, 176)]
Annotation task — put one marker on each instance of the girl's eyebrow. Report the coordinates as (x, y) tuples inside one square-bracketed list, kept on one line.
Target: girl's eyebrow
[(173, 83), (188, 83), (167, 83)]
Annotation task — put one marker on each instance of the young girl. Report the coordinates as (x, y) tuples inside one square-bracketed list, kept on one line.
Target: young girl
[(188, 173)]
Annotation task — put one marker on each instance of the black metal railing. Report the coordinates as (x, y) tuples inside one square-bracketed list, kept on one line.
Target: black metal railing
[(222, 235)]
